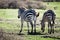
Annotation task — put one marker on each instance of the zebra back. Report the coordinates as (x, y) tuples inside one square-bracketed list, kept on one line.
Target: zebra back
[(29, 15), (26, 15)]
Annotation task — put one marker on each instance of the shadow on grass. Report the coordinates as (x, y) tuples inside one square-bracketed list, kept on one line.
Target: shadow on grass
[(21, 34), (37, 33), (50, 37), (43, 35)]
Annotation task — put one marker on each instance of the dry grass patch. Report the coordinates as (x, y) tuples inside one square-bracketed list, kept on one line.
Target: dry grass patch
[(9, 36)]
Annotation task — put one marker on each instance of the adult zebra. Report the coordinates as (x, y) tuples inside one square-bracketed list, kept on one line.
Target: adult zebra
[(48, 16), (29, 16)]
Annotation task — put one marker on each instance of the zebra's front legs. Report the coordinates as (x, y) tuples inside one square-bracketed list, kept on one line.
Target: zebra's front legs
[(53, 26)]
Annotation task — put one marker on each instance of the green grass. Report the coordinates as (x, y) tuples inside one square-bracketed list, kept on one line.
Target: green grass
[(10, 22), (11, 13), (37, 37)]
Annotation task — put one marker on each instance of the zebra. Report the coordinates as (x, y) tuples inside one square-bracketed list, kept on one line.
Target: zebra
[(29, 16), (49, 16)]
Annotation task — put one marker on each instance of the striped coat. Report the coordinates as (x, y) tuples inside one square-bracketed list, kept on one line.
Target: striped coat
[(29, 16)]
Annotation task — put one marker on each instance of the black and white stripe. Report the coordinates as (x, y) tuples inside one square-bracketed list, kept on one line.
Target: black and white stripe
[(48, 16), (29, 16)]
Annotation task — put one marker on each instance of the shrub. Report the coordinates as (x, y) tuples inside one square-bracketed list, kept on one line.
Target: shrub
[(21, 3)]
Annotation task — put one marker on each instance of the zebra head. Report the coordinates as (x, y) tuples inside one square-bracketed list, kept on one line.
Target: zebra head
[(20, 11), (42, 25)]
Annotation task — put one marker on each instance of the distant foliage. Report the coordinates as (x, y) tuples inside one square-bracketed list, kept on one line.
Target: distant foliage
[(36, 5), (13, 4), (22, 3)]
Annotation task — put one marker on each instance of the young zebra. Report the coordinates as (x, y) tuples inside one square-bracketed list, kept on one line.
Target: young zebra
[(48, 16), (29, 16)]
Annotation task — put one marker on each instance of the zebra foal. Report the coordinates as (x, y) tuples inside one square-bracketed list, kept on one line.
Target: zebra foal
[(29, 16), (49, 16)]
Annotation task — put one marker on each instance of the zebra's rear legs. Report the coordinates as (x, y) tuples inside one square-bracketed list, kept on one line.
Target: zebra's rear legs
[(35, 24), (50, 28), (28, 27), (31, 27), (42, 29), (34, 28)]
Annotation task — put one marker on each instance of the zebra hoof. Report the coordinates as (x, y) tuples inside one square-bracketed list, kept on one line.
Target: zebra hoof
[(31, 32), (53, 32), (42, 30), (49, 32), (20, 31), (28, 32), (34, 32)]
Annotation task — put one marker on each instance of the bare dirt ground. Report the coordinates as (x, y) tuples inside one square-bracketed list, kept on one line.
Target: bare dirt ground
[(10, 36)]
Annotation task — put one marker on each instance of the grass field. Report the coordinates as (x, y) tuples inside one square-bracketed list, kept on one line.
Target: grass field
[(10, 24)]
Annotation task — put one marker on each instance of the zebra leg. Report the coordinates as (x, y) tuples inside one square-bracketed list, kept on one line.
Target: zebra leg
[(28, 26), (43, 29), (34, 26), (31, 26), (53, 27), (21, 26), (49, 28)]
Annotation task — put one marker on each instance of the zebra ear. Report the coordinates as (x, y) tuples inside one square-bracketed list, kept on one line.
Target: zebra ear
[(37, 14)]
